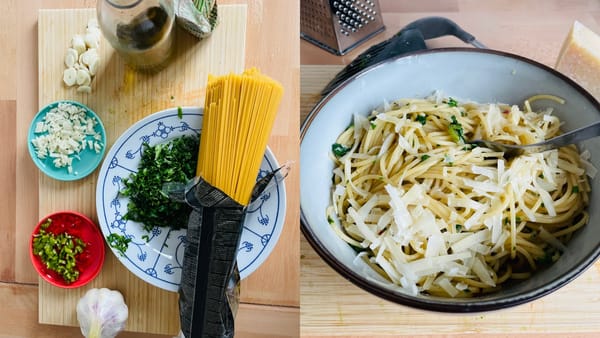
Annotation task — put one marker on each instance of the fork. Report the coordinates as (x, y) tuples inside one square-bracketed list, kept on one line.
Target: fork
[(571, 137)]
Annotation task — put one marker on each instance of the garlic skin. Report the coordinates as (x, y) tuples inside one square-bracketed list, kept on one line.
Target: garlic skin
[(102, 313)]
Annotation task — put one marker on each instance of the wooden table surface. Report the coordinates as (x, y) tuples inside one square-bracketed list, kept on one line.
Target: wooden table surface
[(331, 305), (269, 297)]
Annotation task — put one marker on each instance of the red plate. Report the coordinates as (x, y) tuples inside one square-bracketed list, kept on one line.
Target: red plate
[(89, 262)]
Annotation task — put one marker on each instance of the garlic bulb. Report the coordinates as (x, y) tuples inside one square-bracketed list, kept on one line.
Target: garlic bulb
[(101, 313)]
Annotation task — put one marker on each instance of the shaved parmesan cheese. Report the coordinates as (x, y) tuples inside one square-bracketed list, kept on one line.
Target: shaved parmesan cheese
[(365, 230), (547, 200), (436, 246), (401, 215), (488, 172), (590, 169), (580, 58), (361, 123), (485, 186), (475, 218), (474, 238), (482, 272), (445, 284)]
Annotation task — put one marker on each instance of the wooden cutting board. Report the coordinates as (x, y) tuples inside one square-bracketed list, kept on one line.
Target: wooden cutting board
[(121, 97), (331, 305)]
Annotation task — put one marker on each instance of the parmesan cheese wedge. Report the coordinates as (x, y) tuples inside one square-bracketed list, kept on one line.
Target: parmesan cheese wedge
[(579, 58)]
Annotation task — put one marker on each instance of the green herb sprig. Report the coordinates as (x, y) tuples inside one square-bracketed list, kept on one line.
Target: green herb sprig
[(339, 150), (118, 242)]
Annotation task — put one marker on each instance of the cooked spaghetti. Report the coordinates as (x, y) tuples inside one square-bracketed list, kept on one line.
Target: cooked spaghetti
[(239, 113), (436, 215)]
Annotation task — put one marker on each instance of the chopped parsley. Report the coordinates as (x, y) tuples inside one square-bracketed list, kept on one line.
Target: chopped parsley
[(118, 242), (452, 102), (421, 119), (339, 150), (179, 112), (172, 161), (456, 131), (373, 125), (424, 157), (575, 189)]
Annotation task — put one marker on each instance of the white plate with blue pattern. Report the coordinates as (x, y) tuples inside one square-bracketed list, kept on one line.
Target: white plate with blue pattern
[(156, 256)]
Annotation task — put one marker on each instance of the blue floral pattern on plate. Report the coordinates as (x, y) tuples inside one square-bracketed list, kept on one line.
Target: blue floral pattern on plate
[(156, 256)]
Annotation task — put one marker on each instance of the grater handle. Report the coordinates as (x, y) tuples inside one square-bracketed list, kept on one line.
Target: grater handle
[(409, 39), (406, 41), (437, 26)]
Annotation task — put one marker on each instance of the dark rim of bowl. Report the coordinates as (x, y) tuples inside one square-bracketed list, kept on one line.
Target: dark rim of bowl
[(441, 304)]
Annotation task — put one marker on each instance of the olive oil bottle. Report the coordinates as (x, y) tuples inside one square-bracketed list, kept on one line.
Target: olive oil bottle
[(141, 31)]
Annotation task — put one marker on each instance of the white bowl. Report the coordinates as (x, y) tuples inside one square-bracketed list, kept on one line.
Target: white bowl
[(472, 74)]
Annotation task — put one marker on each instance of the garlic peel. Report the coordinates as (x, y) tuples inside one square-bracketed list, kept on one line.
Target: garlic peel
[(102, 313)]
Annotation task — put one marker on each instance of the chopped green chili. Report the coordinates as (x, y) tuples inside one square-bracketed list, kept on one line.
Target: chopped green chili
[(455, 130), (58, 252)]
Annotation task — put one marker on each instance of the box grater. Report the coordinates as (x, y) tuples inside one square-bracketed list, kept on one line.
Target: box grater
[(339, 25)]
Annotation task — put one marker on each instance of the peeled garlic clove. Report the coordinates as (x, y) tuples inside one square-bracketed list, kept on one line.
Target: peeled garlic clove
[(94, 31), (83, 77), (88, 57), (93, 23), (91, 40), (93, 65), (70, 76), (71, 57), (78, 43), (84, 89)]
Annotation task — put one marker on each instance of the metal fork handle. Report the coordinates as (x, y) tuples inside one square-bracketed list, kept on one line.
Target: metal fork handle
[(575, 136), (571, 137)]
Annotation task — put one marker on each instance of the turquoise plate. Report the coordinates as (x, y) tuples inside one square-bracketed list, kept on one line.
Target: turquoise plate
[(88, 159)]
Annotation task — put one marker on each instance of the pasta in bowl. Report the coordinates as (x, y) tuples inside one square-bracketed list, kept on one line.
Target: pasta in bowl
[(404, 207), (434, 214)]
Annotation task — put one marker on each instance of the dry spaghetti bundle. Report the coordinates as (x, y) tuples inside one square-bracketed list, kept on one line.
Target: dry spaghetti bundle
[(239, 113)]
